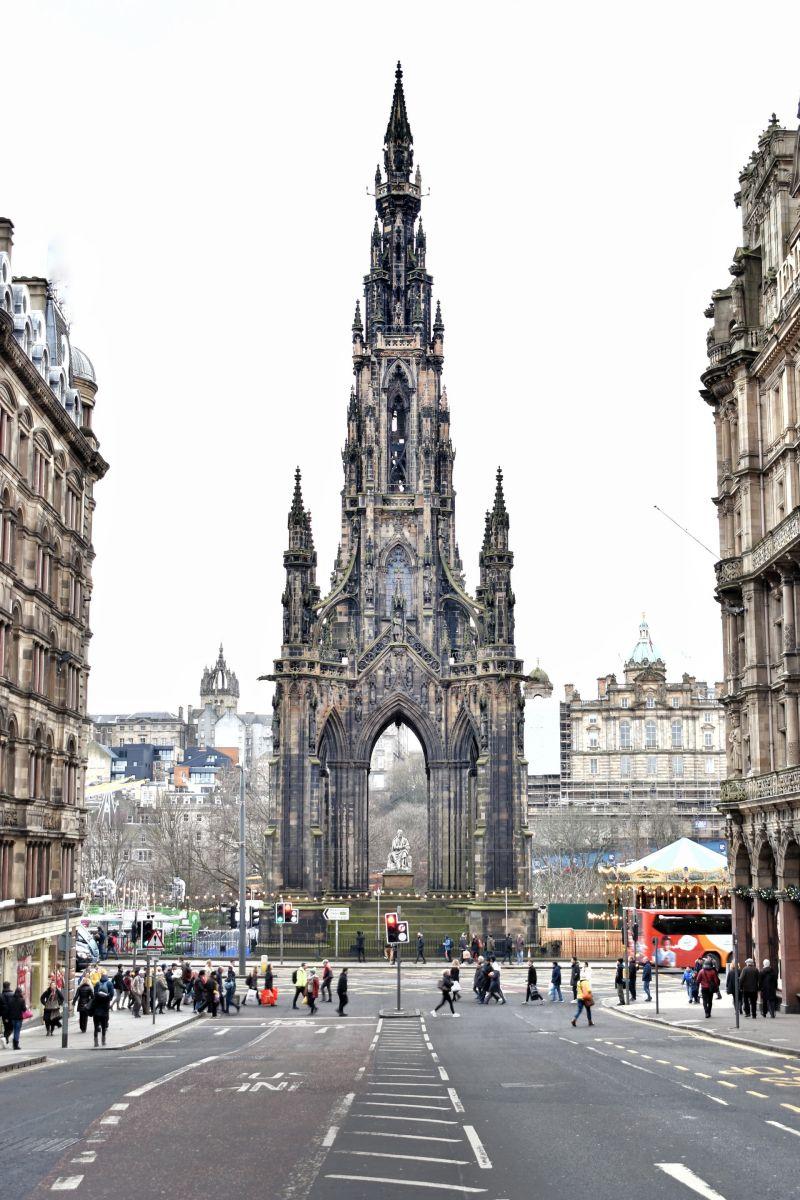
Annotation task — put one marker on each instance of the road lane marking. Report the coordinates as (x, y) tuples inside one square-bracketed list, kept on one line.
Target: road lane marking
[(441, 1187), (664, 1062), (785, 1128), (594, 1050), (66, 1183), (118, 1107), (85, 1157), (791, 1107), (409, 1095), (707, 1095), (702, 1075), (761, 1095), (636, 1066), (648, 1056), (421, 1120), (219, 1032), (112, 1120), (330, 1136), (154, 1083), (678, 1067), (688, 1178), (482, 1158), (410, 1137), (418, 1107), (455, 1162), (457, 1105), (724, 1083)]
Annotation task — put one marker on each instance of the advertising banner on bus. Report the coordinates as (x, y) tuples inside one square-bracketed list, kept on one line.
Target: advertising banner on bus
[(677, 937)]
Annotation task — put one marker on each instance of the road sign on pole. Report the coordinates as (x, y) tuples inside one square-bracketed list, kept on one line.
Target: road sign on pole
[(156, 941), (336, 914)]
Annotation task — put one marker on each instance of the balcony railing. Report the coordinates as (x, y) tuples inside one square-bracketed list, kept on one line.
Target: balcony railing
[(772, 786)]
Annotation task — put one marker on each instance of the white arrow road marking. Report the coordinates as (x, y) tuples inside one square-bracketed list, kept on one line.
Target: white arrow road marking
[(687, 1177)]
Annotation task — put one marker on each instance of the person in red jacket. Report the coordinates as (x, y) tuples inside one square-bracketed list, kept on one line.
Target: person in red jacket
[(708, 981), (312, 991)]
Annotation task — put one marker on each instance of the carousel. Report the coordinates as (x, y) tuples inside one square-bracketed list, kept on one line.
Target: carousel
[(681, 875)]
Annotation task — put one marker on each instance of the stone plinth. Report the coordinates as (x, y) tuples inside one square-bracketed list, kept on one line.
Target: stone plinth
[(398, 881)]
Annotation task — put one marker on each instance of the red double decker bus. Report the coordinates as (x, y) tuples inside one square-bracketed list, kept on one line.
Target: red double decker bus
[(677, 937)]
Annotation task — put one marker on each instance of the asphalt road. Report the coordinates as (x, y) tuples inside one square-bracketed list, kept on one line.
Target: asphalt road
[(504, 1102)]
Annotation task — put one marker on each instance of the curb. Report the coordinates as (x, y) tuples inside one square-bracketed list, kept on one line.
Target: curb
[(22, 1063), (731, 1038), (388, 1014)]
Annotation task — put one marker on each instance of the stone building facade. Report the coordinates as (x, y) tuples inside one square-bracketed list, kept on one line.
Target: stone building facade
[(398, 637), (49, 464), (646, 746), (752, 384), (152, 728)]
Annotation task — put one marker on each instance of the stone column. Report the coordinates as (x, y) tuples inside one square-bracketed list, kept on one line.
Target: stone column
[(726, 445), (789, 937), (742, 927)]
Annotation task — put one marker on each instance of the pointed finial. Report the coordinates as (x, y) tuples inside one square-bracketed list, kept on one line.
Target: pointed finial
[(438, 323), (398, 156), (357, 326), (297, 512), (499, 497), (378, 180)]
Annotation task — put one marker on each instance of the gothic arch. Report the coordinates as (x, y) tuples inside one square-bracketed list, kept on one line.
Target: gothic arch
[(465, 733), (333, 740), (410, 713)]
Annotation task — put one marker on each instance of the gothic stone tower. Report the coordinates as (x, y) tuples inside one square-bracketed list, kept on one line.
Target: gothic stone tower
[(398, 638)]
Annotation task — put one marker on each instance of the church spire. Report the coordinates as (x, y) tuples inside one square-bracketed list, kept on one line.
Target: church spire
[(300, 561), (297, 513), (398, 155)]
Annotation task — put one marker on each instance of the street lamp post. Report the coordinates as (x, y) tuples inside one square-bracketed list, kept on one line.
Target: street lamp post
[(242, 879)]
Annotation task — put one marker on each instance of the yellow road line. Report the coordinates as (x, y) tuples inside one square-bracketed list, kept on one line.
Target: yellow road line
[(702, 1075), (791, 1107), (724, 1083), (678, 1067), (663, 1062)]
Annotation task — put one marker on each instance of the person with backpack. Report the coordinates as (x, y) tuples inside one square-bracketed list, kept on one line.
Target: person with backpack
[(555, 982), (299, 979), (101, 1006), (312, 991), (327, 980), (341, 993), (51, 1001), (445, 986), (647, 975), (531, 991), (585, 998), (708, 982)]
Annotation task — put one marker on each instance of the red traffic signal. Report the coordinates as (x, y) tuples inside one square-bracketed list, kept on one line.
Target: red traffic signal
[(396, 930), (283, 912)]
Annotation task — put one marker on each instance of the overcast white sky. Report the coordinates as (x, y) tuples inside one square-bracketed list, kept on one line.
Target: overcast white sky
[(195, 175)]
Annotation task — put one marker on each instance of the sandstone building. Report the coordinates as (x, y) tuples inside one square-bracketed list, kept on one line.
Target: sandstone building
[(646, 748), (752, 384), (49, 463), (398, 637)]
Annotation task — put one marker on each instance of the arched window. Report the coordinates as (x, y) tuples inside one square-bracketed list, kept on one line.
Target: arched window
[(15, 660), (10, 779), (677, 734), (70, 789), (398, 579), (650, 735), (624, 735), (7, 538), (6, 431)]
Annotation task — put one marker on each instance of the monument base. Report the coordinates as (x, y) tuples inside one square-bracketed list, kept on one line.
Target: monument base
[(397, 881)]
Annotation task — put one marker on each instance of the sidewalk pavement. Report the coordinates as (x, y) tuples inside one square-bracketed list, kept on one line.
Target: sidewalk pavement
[(781, 1035), (124, 1032)]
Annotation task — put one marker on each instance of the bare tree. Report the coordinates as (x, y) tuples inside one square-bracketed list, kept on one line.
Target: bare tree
[(569, 846), (221, 852), (171, 833), (108, 843)]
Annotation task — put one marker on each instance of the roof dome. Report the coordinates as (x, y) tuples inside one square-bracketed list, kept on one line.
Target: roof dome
[(81, 365), (537, 675), (644, 651)]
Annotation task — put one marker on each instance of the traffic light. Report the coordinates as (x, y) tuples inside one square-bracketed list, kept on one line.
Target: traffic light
[(396, 930), (283, 912), (147, 931)]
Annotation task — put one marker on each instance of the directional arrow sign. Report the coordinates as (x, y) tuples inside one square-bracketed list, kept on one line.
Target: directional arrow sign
[(336, 914)]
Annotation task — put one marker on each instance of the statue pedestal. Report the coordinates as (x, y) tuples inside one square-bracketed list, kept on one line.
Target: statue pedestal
[(397, 881)]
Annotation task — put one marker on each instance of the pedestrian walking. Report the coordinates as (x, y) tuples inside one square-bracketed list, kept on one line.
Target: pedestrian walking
[(768, 988), (531, 991), (82, 1000), (269, 980), (327, 980), (119, 988), (137, 992), (462, 944), (619, 982), (584, 997), (312, 991), (647, 975), (445, 986), (169, 975), (520, 949), (730, 986), (113, 945), (687, 979), (574, 976), (187, 980), (101, 1006), (15, 1008), (475, 947), (212, 993), (299, 979), (5, 997), (162, 991), (748, 988), (508, 950), (199, 998), (708, 982), (341, 992), (455, 977), (230, 991), (478, 981), (555, 982), (448, 948), (632, 973), (420, 948), (51, 1001), (495, 991), (360, 955)]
